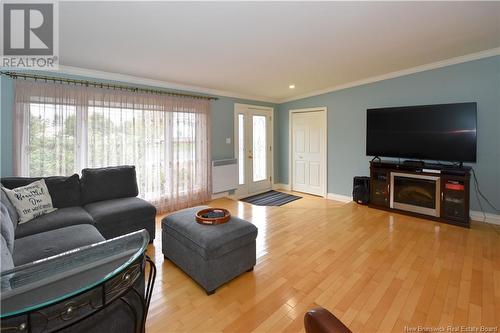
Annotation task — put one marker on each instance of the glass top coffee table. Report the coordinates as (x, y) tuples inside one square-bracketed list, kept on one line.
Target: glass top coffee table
[(75, 284)]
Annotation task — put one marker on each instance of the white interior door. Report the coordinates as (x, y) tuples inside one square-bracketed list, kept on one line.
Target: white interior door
[(253, 141), (308, 152)]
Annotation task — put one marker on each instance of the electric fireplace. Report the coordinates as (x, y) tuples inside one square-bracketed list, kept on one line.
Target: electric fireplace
[(415, 193)]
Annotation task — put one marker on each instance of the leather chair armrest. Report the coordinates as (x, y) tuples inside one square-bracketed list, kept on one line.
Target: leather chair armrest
[(320, 320)]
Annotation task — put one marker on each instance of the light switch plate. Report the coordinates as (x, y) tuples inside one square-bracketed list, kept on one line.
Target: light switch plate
[(228, 140)]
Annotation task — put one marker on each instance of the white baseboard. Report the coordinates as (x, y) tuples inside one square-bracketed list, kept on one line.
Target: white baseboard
[(339, 197), (490, 218), (237, 196), (220, 195), (474, 215), (280, 186)]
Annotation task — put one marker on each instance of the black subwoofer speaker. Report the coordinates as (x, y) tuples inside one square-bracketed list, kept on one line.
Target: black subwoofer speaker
[(361, 190)]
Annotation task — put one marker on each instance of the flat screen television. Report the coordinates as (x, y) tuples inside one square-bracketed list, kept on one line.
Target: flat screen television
[(442, 132)]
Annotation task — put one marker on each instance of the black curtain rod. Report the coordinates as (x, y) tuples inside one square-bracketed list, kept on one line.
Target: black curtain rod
[(86, 83)]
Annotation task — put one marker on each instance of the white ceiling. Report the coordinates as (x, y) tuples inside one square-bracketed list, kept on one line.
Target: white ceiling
[(260, 48)]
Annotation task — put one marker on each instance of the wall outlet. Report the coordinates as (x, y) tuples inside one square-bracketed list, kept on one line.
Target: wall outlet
[(228, 141)]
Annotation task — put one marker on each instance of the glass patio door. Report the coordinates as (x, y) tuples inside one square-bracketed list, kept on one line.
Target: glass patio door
[(253, 149)]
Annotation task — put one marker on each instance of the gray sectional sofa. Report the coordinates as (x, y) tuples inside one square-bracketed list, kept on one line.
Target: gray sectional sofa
[(102, 204)]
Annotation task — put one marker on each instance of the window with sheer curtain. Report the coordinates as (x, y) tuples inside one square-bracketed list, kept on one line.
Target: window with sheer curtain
[(61, 129)]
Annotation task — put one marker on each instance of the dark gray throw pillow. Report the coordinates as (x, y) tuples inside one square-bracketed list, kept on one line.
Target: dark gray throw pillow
[(108, 183), (64, 191)]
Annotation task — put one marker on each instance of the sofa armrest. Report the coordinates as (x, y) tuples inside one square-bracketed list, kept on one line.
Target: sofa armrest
[(320, 320)]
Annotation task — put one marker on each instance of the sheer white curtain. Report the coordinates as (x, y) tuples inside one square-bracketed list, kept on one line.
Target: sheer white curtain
[(60, 129), (46, 135)]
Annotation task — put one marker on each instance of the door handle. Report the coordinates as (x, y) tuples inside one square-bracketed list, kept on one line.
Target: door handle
[(250, 156)]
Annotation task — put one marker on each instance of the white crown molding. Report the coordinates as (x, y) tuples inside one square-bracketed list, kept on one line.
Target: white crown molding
[(111, 76), (392, 75), (103, 75)]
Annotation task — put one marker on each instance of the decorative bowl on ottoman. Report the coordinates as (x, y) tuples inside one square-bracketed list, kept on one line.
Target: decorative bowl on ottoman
[(210, 254), (213, 216)]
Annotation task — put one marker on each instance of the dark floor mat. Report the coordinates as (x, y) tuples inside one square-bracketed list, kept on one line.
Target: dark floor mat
[(271, 198)]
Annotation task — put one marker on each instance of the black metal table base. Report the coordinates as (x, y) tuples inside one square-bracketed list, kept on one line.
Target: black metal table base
[(69, 312)]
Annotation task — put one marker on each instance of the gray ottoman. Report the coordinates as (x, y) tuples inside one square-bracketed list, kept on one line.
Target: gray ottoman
[(210, 254)]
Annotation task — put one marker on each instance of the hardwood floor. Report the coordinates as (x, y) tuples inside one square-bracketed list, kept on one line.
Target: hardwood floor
[(376, 271)]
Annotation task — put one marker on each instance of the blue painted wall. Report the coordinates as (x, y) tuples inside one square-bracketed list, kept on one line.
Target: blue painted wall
[(222, 122), (475, 81)]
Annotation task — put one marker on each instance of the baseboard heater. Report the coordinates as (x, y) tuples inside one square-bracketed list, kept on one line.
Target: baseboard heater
[(224, 175)]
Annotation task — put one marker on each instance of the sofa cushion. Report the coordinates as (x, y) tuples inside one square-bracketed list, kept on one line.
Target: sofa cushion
[(60, 218), (46, 244), (7, 227), (120, 216), (6, 261), (65, 191), (209, 241), (108, 183), (10, 207)]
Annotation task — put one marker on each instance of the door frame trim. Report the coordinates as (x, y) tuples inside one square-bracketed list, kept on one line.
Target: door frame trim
[(269, 109), (324, 110)]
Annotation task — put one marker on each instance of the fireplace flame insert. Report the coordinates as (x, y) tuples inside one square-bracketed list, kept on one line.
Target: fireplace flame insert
[(415, 193)]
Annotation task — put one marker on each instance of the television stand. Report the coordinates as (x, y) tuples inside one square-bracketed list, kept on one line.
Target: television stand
[(432, 191)]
